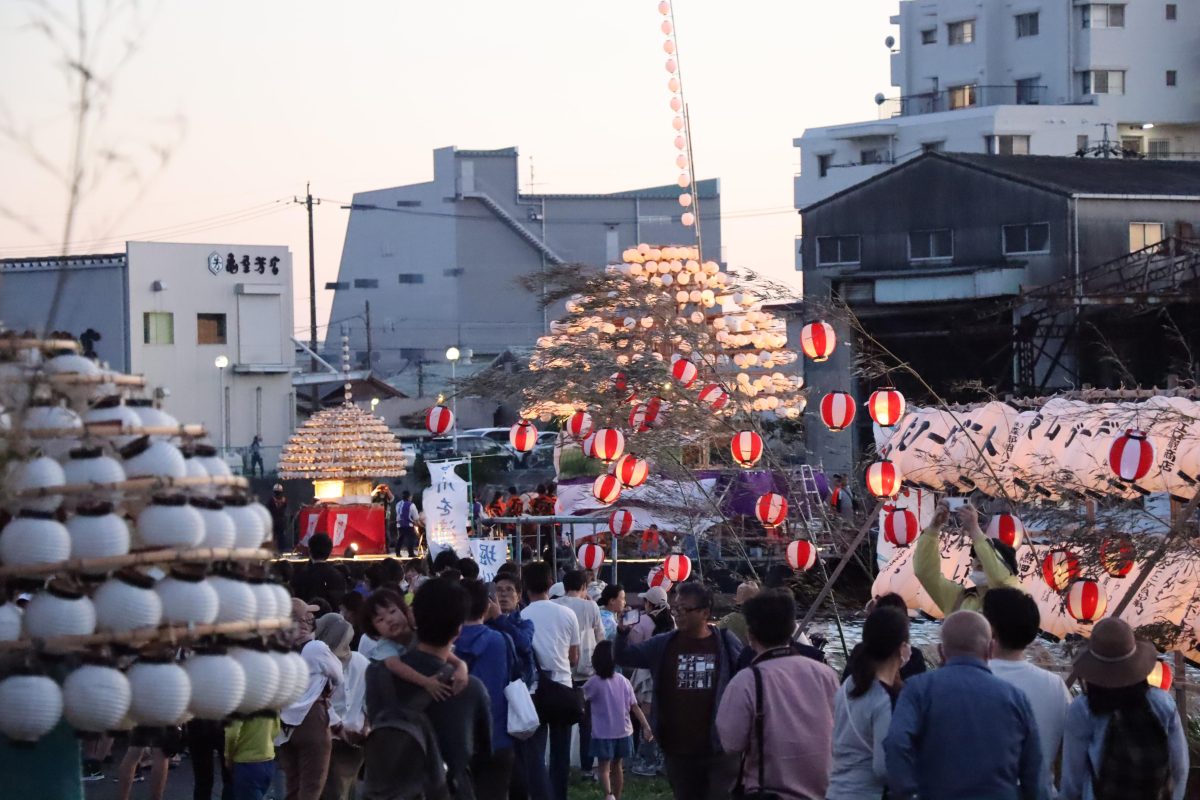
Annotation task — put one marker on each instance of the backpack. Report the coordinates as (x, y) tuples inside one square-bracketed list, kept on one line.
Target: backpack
[(1135, 760)]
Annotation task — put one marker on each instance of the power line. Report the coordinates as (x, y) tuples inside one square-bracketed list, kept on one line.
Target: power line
[(742, 214)]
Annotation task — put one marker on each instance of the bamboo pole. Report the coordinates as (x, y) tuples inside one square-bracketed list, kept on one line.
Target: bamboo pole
[(110, 563), (137, 485), (837, 571), (168, 634)]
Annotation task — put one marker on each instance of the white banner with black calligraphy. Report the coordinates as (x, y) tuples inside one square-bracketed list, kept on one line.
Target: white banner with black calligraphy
[(446, 509)]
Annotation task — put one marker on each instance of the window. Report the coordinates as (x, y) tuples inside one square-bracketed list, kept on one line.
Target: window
[(1172, 77), (1159, 148), (1172, 12), (872, 155), (1007, 145), (1131, 144), (210, 329), (1144, 234), (1081, 143), (930, 245), (1104, 15), (961, 32), (962, 96), (933, 147), (837, 250), (411, 277), (158, 327), (823, 163), (1027, 25), (1104, 81), (366, 283), (1029, 92), (1022, 239), (929, 36)]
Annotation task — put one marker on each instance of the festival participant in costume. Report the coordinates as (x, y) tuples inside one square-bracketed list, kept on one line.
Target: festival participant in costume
[(690, 668), (992, 563), (840, 498), (407, 524), (959, 731), (786, 741), (863, 710), (1123, 738), (278, 506), (1015, 622)]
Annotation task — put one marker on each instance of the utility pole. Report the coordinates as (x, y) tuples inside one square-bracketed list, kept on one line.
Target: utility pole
[(368, 315), (308, 203)]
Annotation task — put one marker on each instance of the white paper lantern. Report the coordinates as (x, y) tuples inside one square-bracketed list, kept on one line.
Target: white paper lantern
[(192, 466), (283, 601), (30, 707), (263, 678), (264, 600), (38, 473), (96, 532), (218, 684), (169, 521), (247, 525), (300, 677), (60, 610), (10, 622), (161, 692), (113, 412), (55, 426), (264, 515), (71, 364), (218, 525), (151, 416), (286, 685), (152, 458), (187, 598), (235, 599), (90, 465), (96, 698), (127, 601), (213, 463), (34, 537)]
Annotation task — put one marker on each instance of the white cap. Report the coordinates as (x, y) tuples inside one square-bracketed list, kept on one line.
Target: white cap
[(557, 590)]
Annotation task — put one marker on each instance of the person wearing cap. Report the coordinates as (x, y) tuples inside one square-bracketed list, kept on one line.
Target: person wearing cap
[(961, 732), (278, 506), (993, 563), (1123, 738), (735, 621)]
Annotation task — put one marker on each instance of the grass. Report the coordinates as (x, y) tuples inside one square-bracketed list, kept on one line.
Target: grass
[(636, 788)]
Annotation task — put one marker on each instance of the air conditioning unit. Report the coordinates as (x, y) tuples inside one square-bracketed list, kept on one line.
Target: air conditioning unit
[(535, 216)]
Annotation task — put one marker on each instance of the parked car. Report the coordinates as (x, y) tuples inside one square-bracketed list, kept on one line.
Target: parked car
[(478, 447), (497, 435)]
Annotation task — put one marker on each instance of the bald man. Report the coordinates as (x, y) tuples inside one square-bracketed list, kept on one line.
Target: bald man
[(961, 732)]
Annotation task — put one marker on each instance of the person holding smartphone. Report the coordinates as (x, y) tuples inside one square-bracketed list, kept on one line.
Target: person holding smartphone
[(992, 563)]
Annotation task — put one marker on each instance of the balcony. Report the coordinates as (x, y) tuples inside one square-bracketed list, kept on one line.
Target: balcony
[(959, 97)]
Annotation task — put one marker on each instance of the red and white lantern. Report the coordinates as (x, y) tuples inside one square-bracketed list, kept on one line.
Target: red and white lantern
[(1059, 568), (608, 444), (884, 479), (886, 407), (1085, 601), (1007, 528), (657, 576), (579, 424), (684, 371), (1161, 676), (837, 411), (801, 555), (1116, 555), (677, 568), (591, 556), (817, 340), (900, 527), (746, 448), (644, 416), (714, 396), (620, 522), (620, 384), (1131, 456), (606, 489), (439, 420), (771, 509), (631, 471), (523, 436)]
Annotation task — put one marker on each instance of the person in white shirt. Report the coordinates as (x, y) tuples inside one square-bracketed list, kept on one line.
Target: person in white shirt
[(591, 630), (347, 716), (556, 648), (306, 737), (1015, 623)]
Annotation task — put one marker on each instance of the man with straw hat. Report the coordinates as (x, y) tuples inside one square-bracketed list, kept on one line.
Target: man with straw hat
[(1123, 738)]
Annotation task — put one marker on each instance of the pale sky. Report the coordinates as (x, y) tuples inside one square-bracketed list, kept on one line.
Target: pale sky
[(255, 97)]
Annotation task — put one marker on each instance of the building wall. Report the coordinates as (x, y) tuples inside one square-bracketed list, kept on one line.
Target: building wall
[(1104, 224), (258, 319), (93, 296)]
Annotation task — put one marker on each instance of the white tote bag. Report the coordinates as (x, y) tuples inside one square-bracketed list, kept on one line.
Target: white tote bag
[(522, 716)]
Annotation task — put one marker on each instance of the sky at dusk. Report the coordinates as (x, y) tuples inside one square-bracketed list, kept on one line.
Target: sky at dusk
[(228, 107)]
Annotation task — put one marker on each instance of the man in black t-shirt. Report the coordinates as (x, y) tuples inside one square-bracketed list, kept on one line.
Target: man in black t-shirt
[(319, 578)]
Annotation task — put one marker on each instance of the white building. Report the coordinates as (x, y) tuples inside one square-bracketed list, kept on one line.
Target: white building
[(1021, 77), (168, 311)]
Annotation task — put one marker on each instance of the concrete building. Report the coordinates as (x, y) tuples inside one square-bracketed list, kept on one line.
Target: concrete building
[(1031, 77), (440, 262), (167, 311), (994, 274)]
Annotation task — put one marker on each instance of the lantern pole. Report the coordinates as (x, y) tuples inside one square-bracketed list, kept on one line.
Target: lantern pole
[(837, 614), (837, 571)]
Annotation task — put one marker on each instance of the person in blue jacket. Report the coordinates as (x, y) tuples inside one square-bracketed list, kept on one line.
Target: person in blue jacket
[(504, 616)]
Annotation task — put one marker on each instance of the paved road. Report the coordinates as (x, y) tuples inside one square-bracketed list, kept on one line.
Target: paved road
[(179, 785)]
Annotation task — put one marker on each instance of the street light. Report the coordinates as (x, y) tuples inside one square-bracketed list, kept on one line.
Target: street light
[(221, 362), (452, 355)]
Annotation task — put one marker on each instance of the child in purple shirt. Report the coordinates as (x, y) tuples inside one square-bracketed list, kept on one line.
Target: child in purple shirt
[(611, 698)]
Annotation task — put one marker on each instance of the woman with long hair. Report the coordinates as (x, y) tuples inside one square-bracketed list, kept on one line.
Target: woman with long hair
[(863, 708), (1123, 738)]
